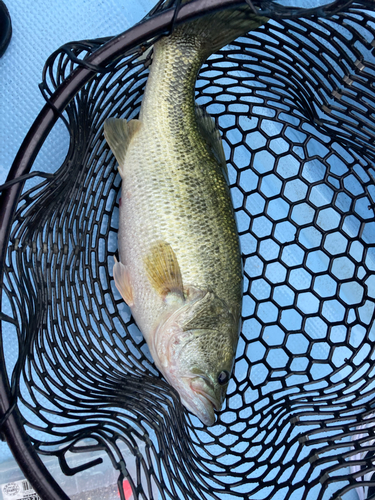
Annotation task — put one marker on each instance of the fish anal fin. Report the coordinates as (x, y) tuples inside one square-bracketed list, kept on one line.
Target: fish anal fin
[(209, 131), (123, 283), (163, 270), (118, 133)]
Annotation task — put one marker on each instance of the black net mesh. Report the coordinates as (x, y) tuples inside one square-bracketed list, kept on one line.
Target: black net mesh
[(295, 102)]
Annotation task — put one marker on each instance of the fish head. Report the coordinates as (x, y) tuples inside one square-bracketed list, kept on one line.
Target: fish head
[(196, 348)]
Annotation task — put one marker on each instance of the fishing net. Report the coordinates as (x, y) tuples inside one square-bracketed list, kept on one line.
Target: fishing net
[(295, 103)]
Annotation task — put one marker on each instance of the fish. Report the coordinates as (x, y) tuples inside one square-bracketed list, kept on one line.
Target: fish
[(179, 267)]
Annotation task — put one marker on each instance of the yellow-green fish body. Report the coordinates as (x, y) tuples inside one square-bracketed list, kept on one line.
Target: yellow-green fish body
[(180, 264)]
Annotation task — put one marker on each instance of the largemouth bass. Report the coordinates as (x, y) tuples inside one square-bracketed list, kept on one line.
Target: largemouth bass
[(180, 263)]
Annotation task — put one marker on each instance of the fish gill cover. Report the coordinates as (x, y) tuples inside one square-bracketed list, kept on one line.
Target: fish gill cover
[(294, 101)]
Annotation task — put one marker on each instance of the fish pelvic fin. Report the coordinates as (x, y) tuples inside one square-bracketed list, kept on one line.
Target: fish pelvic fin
[(163, 270), (123, 283), (211, 134), (118, 134)]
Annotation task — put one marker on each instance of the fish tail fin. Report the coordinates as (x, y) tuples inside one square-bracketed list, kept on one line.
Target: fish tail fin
[(214, 31)]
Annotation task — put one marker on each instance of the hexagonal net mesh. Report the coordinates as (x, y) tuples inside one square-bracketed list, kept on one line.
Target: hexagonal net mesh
[(295, 103)]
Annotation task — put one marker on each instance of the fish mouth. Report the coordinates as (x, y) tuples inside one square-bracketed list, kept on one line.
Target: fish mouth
[(198, 400), (205, 413), (205, 395), (205, 391)]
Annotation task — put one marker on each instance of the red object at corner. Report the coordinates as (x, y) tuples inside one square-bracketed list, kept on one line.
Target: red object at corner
[(127, 490)]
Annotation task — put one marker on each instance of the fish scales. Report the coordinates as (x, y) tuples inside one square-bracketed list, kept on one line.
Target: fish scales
[(183, 197), (180, 262)]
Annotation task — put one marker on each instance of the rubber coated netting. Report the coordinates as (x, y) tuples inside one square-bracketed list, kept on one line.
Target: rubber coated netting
[(295, 103)]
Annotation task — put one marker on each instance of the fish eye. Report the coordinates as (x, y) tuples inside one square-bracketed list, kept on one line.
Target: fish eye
[(223, 377)]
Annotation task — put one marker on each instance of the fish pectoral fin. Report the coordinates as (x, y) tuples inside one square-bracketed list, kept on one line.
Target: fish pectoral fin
[(123, 283), (210, 133), (163, 270), (118, 133)]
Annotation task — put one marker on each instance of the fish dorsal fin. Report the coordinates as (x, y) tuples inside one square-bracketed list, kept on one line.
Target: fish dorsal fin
[(163, 269), (118, 133), (210, 133)]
